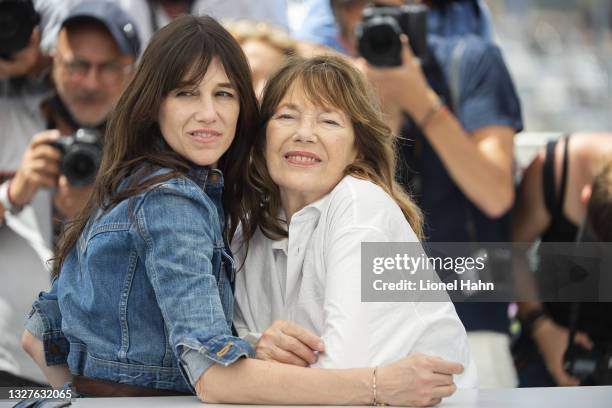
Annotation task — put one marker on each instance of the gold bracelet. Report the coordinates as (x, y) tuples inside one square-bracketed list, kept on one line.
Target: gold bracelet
[(430, 114), (375, 401)]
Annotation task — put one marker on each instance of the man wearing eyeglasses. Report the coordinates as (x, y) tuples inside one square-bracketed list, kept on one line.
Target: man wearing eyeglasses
[(97, 48)]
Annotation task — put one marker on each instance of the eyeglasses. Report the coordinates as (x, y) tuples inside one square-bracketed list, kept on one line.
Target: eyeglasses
[(109, 73)]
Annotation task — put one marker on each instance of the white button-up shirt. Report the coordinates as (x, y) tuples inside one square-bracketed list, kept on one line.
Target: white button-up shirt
[(313, 278)]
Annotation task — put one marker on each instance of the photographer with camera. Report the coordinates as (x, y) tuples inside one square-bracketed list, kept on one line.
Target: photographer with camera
[(455, 103), (96, 50), (28, 29), (565, 191), (27, 33)]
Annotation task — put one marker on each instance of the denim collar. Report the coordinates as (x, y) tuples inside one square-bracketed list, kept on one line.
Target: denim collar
[(206, 177)]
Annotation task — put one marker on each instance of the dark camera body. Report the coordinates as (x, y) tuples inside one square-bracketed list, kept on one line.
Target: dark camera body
[(17, 21), (82, 153), (378, 34), (591, 367)]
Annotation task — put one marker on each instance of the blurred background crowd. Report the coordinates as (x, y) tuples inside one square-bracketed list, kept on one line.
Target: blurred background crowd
[(507, 83)]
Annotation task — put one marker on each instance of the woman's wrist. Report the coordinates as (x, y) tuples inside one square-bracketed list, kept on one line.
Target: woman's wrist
[(376, 400)]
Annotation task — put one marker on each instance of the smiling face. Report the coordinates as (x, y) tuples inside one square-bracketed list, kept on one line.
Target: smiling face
[(199, 121), (308, 147)]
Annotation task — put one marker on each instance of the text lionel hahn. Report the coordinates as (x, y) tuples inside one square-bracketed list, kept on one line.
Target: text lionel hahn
[(408, 285)]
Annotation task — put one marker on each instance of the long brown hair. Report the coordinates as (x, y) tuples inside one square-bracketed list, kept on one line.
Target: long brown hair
[(182, 49), (326, 81)]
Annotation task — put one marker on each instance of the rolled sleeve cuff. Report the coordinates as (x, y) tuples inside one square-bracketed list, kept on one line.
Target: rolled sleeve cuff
[(35, 325), (224, 350), (44, 322)]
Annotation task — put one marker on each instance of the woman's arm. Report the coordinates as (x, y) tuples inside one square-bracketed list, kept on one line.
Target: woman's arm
[(251, 381), (57, 375)]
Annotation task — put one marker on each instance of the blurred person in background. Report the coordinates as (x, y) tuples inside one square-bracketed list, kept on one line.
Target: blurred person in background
[(151, 15), (28, 30), (570, 177), (454, 17), (458, 111), (92, 63), (265, 47)]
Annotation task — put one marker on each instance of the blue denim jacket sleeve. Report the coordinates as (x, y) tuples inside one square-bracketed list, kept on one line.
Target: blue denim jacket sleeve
[(45, 323), (176, 225)]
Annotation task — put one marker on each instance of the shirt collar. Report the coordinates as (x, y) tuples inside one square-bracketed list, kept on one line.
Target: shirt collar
[(206, 177), (312, 210)]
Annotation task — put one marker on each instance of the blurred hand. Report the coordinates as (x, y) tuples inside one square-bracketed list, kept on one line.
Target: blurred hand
[(40, 167), (70, 200), (24, 61), (417, 380), (552, 341), (289, 343), (402, 87)]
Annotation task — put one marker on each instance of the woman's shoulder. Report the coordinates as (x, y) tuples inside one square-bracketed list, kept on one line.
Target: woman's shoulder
[(360, 203), (176, 186), (361, 194)]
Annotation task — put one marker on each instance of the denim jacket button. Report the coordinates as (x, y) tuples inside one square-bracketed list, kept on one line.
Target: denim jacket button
[(224, 350)]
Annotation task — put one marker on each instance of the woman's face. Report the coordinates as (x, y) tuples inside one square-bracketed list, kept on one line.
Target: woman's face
[(308, 147), (199, 122)]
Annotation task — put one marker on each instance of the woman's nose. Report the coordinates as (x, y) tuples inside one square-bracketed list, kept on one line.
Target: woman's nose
[(206, 111), (306, 130)]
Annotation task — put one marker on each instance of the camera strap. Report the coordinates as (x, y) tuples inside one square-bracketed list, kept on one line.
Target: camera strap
[(454, 83), (570, 353)]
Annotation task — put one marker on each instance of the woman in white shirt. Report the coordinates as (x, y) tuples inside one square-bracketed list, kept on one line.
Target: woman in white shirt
[(322, 182)]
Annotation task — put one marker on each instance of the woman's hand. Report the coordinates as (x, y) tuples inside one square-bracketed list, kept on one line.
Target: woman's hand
[(417, 380), (289, 343)]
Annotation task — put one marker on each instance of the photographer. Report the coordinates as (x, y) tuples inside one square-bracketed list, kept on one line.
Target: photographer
[(92, 63), (570, 177), (28, 29), (462, 113), (151, 15), (27, 33)]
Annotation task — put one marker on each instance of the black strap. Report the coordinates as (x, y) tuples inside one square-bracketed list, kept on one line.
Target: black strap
[(554, 203), (563, 176)]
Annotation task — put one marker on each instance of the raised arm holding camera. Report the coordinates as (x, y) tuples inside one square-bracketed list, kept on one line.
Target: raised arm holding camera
[(92, 63)]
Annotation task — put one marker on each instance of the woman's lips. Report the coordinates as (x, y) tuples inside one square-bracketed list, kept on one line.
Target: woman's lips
[(301, 158), (204, 135)]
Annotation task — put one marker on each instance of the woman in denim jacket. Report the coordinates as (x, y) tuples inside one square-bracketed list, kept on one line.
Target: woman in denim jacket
[(141, 303)]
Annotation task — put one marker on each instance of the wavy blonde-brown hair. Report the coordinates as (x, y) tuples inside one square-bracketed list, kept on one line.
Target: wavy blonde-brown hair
[(328, 81)]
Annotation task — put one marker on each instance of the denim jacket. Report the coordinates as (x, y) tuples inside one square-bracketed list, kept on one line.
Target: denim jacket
[(145, 296)]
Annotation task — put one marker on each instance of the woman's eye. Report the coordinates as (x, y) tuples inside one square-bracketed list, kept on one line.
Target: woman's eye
[(284, 116), (225, 94), (185, 93), (331, 122)]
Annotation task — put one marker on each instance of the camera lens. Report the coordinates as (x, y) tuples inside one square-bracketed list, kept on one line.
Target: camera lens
[(379, 41), (81, 165)]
